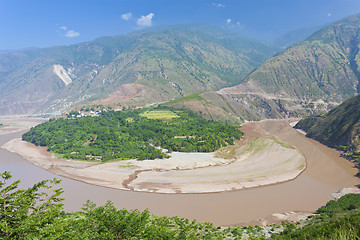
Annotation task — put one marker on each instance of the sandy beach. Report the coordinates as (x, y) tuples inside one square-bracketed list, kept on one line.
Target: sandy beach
[(258, 159)]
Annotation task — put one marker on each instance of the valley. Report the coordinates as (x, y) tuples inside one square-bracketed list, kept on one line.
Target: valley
[(233, 77), (310, 77), (190, 122), (325, 174)]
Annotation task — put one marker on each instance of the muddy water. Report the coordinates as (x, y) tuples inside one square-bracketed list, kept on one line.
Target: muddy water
[(326, 173)]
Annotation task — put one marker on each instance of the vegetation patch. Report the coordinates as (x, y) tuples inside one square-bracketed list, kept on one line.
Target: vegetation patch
[(129, 119), (337, 220), (191, 97), (37, 214), (258, 144), (125, 165), (132, 134), (282, 143), (226, 153), (159, 114), (254, 146)]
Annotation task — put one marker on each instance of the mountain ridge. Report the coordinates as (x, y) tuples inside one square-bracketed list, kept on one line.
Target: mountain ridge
[(170, 63), (310, 77), (295, 36)]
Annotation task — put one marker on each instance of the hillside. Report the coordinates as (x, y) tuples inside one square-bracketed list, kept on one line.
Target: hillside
[(338, 128), (310, 77), (134, 69), (325, 66)]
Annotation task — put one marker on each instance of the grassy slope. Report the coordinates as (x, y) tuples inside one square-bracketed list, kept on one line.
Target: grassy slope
[(308, 78), (339, 128), (323, 66), (199, 105)]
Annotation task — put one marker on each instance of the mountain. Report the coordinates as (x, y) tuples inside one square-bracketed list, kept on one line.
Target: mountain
[(310, 77), (135, 69), (294, 36), (339, 127), (325, 66)]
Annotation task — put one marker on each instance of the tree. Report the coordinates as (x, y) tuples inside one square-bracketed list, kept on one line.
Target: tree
[(28, 213)]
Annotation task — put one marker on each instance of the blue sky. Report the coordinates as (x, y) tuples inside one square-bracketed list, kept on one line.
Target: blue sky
[(43, 23)]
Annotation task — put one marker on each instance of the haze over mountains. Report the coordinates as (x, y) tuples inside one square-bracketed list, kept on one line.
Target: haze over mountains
[(312, 76), (135, 69), (295, 36), (170, 62)]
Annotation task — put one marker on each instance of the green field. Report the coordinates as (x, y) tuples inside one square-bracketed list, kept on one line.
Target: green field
[(159, 114)]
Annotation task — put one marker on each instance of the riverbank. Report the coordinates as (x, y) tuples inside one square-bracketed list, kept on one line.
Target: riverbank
[(325, 174), (13, 124), (254, 161)]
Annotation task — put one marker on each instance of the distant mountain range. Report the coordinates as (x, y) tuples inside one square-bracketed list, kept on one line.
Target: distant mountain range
[(209, 70), (135, 69), (295, 36), (310, 77)]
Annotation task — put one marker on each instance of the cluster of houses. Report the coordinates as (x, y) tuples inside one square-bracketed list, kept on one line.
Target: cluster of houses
[(91, 113)]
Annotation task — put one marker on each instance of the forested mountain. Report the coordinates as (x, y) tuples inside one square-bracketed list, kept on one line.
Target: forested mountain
[(134, 69), (310, 77), (339, 128)]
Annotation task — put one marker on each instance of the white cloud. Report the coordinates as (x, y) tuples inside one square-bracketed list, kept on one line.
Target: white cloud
[(126, 16), (72, 34), (145, 21), (69, 33), (218, 5), (329, 14), (233, 24)]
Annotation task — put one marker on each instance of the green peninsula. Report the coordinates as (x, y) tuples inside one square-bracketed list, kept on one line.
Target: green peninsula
[(132, 134)]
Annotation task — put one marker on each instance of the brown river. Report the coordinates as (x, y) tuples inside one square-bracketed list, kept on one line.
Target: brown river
[(325, 174)]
